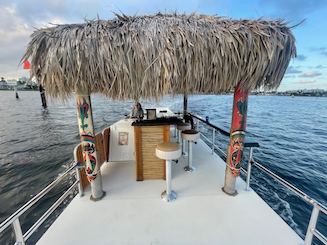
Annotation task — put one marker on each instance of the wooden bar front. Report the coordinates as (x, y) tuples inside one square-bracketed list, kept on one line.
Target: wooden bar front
[(148, 166)]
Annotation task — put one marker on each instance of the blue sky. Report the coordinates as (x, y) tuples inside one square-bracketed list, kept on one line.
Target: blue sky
[(19, 18)]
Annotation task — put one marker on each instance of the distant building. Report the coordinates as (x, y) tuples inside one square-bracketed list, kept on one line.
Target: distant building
[(3, 81), (305, 92), (3, 84), (12, 82)]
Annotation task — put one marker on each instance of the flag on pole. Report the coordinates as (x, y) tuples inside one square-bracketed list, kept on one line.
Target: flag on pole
[(26, 65)]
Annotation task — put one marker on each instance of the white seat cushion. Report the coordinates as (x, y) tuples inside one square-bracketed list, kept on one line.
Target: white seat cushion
[(168, 151), (190, 135)]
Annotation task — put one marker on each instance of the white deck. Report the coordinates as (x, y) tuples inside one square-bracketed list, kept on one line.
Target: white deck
[(133, 213)]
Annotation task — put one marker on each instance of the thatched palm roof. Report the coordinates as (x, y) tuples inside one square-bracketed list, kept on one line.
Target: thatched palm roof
[(150, 56)]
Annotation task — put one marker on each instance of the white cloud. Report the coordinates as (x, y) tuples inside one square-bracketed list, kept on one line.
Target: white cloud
[(293, 70), (15, 33), (16, 26), (311, 74), (10, 9), (306, 81), (20, 18)]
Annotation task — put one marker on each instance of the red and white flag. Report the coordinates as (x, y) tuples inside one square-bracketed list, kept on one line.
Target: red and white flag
[(26, 65)]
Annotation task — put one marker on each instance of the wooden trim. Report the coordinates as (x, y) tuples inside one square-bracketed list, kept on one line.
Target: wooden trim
[(100, 149), (153, 167), (138, 153), (166, 134), (106, 143)]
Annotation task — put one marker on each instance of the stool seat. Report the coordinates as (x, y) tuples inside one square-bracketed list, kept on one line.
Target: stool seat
[(184, 126), (190, 134), (168, 151)]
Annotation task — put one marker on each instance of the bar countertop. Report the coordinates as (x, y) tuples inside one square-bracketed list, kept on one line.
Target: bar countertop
[(158, 121)]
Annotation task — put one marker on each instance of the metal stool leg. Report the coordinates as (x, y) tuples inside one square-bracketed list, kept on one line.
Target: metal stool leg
[(168, 195), (184, 153), (190, 167), (179, 136)]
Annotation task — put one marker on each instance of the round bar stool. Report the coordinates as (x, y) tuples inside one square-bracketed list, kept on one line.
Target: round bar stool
[(180, 128), (168, 152), (190, 135)]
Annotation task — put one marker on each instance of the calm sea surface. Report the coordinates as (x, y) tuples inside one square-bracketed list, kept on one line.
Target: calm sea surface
[(37, 144)]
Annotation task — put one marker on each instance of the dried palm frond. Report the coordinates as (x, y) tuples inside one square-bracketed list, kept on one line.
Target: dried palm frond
[(151, 56)]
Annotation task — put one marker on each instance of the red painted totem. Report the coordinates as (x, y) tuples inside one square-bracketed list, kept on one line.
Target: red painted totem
[(237, 132)]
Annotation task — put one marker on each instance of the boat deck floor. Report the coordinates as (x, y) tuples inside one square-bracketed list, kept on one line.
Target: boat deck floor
[(133, 213)]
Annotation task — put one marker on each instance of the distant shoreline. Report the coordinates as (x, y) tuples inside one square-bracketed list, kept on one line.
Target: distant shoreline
[(282, 95), (300, 93), (290, 94)]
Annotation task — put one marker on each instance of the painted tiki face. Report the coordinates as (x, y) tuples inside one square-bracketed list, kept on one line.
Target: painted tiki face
[(237, 152)]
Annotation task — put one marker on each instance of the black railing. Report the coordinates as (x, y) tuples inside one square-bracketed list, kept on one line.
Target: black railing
[(14, 219), (222, 131), (318, 208)]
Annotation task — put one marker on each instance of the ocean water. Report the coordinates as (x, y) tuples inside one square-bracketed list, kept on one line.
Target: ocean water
[(37, 144)]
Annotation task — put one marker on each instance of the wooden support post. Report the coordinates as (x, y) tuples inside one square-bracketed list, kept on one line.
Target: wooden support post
[(185, 106), (43, 99), (16, 93), (236, 143), (86, 131)]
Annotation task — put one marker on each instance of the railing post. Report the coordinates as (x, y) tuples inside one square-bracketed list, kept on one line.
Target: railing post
[(42, 94), (248, 177), (312, 224), (213, 140), (196, 124), (18, 232)]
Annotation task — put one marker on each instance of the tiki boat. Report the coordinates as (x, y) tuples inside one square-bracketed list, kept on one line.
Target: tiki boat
[(160, 180)]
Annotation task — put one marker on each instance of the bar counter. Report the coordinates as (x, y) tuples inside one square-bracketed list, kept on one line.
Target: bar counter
[(149, 133), (158, 121)]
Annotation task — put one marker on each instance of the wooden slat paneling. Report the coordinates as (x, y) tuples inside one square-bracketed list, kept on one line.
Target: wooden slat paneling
[(153, 167), (99, 148)]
